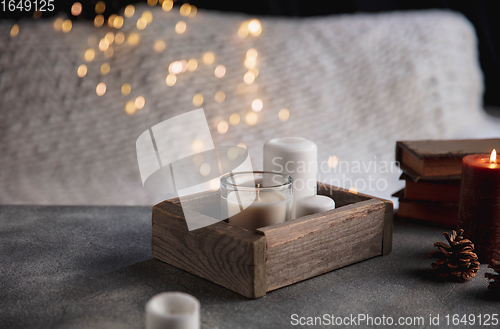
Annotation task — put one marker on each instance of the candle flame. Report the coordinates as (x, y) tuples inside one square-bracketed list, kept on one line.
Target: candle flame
[(493, 157)]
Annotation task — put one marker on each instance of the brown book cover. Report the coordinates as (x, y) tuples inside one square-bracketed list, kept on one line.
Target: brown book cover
[(439, 159), (437, 213), (431, 190)]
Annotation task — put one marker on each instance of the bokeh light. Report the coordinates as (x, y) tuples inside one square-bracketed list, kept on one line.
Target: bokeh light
[(103, 44), (197, 146), (66, 26), (197, 99), (171, 80), (160, 46), (111, 20), (129, 11), (167, 5), (252, 53), (82, 70), (257, 105), (185, 9), (222, 127), (192, 64), (57, 24), (99, 21), (14, 31), (105, 68), (89, 55), (220, 96), (205, 169), (152, 3), (76, 9), (234, 119), (100, 7), (118, 22), (208, 58), (139, 102), (180, 27), (220, 71), (251, 118), (130, 107), (148, 16), (126, 89), (100, 89), (119, 38), (333, 161), (249, 78), (141, 23), (243, 30), (133, 39), (284, 114), (175, 67), (110, 36), (193, 11)]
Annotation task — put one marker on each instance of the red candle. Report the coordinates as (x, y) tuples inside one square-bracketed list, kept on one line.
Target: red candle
[(479, 213)]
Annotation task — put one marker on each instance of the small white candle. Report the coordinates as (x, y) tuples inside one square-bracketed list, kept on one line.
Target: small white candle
[(260, 209), (297, 157), (173, 310), (313, 204)]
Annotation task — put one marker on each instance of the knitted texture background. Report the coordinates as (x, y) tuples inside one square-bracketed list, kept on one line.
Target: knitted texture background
[(353, 84)]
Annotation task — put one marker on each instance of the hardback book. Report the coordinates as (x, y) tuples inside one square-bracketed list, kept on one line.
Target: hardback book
[(431, 190), (439, 159), (437, 213)]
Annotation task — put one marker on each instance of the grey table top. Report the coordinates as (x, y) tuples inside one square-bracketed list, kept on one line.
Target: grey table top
[(91, 267)]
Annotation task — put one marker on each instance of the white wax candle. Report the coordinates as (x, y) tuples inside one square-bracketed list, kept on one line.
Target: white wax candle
[(297, 157), (313, 204), (173, 310), (266, 208)]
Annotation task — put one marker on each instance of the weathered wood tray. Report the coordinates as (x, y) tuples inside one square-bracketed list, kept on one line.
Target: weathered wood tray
[(253, 263)]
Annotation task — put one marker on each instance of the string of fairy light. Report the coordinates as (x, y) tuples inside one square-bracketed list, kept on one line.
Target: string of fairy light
[(248, 28)]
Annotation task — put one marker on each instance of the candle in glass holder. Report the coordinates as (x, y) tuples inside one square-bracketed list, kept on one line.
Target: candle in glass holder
[(479, 211)]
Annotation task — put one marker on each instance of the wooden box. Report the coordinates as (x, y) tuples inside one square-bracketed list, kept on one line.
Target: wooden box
[(253, 263)]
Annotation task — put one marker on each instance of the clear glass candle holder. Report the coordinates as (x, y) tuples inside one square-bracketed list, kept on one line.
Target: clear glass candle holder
[(256, 199)]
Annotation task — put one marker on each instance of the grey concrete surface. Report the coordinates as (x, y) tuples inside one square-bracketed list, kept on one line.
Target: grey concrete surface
[(91, 267)]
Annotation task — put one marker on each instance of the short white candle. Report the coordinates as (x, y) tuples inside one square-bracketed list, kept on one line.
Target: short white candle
[(259, 209), (313, 204), (297, 157), (173, 310)]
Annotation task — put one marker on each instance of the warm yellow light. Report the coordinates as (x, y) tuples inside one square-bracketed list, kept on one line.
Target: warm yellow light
[(159, 46), (197, 145), (353, 190), (252, 53), (254, 27), (100, 7), (175, 67), (193, 11), (257, 105), (105, 68), (215, 184), (197, 99), (284, 114), (82, 70), (220, 96), (89, 55), (148, 16), (14, 31), (333, 161), (152, 3), (493, 156), (129, 11), (167, 5), (192, 64), (126, 89), (118, 22), (100, 89), (133, 39), (141, 23), (180, 27), (139, 102), (222, 127), (119, 38), (110, 36), (98, 21), (232, 153), (242, 145), (220, 71), (130, 107), (234, 119), (76, 9), (250, 62), (103, 44), (111, 20), (205, 169), (249, 78), (108, 53), (208, 58), (243, 30), (251, 118), (171, 80), (57, 24), (185, 9)]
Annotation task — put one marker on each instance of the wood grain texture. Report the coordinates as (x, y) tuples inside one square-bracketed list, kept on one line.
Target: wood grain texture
[(316, 244), (229, 256)]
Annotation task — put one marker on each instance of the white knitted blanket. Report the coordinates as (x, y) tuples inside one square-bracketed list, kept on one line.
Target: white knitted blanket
[(354, 84)]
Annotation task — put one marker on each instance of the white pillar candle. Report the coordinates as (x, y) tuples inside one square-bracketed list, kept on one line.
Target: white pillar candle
[(297, 157), (313, 204), (259, 209), (173, 310)]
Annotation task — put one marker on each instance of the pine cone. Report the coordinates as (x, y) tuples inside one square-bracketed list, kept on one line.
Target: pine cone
[(495, 284), (456, 262)]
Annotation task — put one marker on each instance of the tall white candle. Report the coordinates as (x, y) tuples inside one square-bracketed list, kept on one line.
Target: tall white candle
[(266, 208), (173, 310), (297, 157)]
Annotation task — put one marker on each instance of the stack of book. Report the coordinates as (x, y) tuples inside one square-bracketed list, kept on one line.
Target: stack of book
[(432, 171)]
